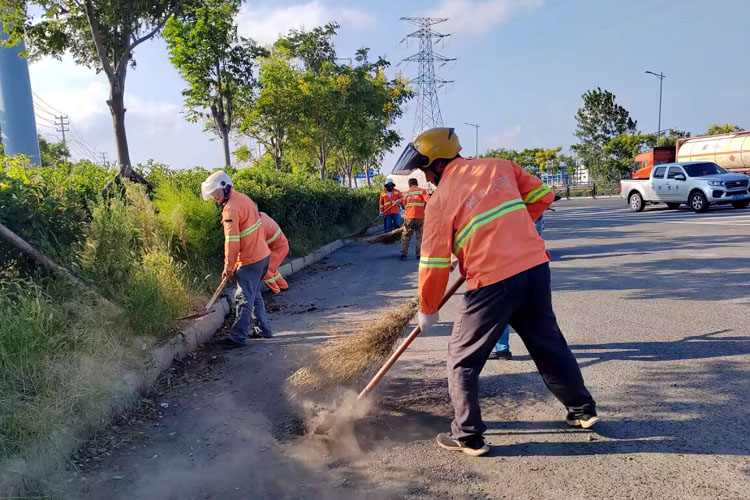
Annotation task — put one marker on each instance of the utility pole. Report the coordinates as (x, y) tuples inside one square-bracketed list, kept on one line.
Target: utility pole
[(105, 163), (428, 108), (63, 124), (476, 137), (661, 78)]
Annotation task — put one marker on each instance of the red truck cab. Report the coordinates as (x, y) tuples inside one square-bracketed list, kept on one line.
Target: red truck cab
[(655, 156)]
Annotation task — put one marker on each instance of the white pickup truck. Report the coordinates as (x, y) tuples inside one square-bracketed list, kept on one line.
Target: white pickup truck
[(697, 184)]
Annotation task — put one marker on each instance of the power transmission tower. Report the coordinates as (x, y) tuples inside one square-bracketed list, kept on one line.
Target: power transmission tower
[(105, 163), (428, 108), (63, 124)]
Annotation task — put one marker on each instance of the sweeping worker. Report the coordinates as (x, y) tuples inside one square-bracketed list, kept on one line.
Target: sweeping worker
[(390, 201), (279, 248), (415, 201), (483, 212), (246, 255)]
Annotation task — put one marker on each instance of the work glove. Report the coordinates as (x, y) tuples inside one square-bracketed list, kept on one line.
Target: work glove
[(427, 321)]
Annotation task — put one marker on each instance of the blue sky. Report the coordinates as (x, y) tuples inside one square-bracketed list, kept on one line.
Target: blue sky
[(521, 68)]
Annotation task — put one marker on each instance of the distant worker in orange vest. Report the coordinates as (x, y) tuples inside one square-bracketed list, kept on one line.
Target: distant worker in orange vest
[(279, 247), (415, 200), (246, 255), (391, 200), (483, 212)]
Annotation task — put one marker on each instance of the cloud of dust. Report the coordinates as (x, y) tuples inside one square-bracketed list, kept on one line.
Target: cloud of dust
[(239, 457), (330, 426)]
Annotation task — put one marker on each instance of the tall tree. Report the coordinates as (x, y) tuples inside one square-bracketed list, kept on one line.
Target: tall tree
[(670, 136), (600, 119), (216, 64), (320, 119), (620, 152), (277, 112), (99, 34), (314, 48), (370, 104), (726, 128)]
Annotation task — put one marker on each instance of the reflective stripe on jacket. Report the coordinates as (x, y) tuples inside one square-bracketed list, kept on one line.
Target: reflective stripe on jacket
[(483, 212), (415, 200), (275, 239), (389, 205), (244, 241)]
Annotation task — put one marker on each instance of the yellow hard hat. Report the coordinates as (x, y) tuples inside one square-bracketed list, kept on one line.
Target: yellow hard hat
[(430, 145)]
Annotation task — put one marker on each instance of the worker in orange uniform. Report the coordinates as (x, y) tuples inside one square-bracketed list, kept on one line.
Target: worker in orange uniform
[(483, 212), (415, 200), (391, 200), (279, 247), (246, 255)]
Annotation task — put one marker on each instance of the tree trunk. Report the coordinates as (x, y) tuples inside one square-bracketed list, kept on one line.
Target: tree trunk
[(116, 104), (45, 261), (322, 160), (227, 154), (367, 176)]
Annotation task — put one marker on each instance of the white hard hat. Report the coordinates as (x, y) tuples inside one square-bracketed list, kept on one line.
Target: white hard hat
[(215, 183), (389, 181)]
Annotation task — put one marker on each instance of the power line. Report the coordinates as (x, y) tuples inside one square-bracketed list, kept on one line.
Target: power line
[(48, 105)]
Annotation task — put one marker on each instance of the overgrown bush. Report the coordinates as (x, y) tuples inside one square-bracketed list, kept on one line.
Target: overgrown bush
[(48, 207), (60, 358), (127, 255)]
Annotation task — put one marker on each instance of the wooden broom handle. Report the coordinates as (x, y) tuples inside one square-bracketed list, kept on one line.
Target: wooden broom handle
[(216, 293), (408, 340)]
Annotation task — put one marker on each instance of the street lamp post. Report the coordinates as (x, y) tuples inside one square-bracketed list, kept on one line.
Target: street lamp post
[(476, 137), (661, 78)]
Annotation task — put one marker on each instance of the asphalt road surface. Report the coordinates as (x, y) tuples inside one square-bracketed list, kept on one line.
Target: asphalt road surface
[(655, 306)]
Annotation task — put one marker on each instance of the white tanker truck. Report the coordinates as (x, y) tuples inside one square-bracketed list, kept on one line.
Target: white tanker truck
[(729, 151)]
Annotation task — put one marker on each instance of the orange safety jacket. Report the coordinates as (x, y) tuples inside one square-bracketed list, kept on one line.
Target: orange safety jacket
[(244, 241), (415, 200), (277, 244), (389, 205), (483, 212)]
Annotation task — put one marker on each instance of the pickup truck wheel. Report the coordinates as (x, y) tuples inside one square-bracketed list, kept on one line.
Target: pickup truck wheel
[(741, 204), (672, 206), (699, 202), (636, 202)]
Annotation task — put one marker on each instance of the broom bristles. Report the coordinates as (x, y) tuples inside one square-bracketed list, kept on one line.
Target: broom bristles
[(386, 238), (346, 358)]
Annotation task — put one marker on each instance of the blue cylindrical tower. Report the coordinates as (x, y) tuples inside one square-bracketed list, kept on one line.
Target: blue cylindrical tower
[(17, 121)]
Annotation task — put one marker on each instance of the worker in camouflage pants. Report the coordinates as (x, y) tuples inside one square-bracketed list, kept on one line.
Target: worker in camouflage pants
[(414, 203)]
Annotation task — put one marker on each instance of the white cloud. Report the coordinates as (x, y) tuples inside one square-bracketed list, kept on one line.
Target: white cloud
[(505, 138), (476, 18), (266, 23)]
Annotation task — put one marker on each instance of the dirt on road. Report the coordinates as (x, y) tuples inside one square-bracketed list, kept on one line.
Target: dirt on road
[(670, 379)]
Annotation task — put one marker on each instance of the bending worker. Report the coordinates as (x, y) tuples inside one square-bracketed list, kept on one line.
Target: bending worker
[(390, 201), (279, 247), (415, 200), (483, 211), (245, 254)]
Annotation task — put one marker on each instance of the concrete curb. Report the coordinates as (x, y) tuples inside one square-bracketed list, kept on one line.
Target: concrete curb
[(44, 459)]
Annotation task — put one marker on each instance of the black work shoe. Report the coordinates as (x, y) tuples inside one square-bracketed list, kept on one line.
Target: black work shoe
[(506, 355), (585, 420), (403, 257), (474, 446), (231, 344), (258, 333)]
